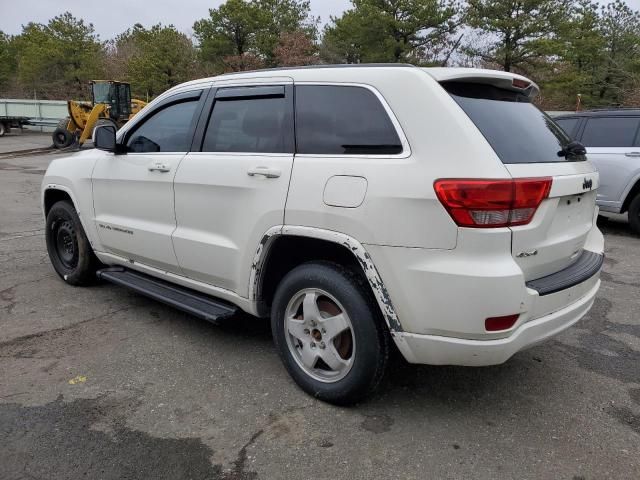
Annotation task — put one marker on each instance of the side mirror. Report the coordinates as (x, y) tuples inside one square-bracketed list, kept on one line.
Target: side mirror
[(104, 138)]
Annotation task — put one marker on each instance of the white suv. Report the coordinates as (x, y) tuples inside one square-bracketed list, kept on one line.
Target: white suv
[(355, 205)]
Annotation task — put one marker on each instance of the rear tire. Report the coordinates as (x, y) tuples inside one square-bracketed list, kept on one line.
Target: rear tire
[(634, 215), (338, 349), (3, 129), (68, 246), (62, 137)]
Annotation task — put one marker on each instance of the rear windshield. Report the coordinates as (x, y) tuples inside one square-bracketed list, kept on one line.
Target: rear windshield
[(516, 129)]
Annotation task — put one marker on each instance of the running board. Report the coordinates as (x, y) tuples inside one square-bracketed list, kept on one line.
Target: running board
[(187, 300)]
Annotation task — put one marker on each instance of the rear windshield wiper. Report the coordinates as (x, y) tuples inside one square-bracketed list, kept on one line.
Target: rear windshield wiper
[(572, 150)]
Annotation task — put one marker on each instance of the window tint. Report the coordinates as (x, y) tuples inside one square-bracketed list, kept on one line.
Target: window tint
[(254, 125), (568, 125), (344, 121), (516, 129), (610, 131), (166, 131)]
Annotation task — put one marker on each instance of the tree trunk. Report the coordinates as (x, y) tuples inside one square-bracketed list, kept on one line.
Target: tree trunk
[(507, 53)]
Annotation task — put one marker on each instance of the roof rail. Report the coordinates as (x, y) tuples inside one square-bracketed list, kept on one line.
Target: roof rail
[(339, 65), (608, 109)]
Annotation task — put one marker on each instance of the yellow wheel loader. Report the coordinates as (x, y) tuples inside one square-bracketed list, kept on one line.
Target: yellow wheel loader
[(110, 104)]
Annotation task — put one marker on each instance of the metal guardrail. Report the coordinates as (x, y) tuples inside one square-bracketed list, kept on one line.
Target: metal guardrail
[(44, 115), (555, 113)]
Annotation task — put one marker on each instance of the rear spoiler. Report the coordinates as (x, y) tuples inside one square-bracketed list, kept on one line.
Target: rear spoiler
[(504, 80)]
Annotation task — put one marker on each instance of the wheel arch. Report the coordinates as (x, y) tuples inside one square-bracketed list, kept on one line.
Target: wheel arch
[(284, 247), (54, 194), (631, 193)]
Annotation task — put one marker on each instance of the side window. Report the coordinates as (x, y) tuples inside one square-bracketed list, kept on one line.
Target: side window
[(610, 131), (343, 121), (250, 125), (568, 125), (168, 130)]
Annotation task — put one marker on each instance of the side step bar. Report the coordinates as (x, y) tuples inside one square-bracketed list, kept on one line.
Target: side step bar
[(187, 300)]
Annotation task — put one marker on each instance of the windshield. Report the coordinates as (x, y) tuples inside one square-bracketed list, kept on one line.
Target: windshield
[(101, 93), (516, 129)]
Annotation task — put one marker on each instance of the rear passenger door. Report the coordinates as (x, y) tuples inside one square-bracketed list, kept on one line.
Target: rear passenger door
[(233, 186), (612, 146)]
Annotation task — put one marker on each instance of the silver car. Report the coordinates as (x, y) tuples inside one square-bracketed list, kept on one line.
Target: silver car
[(612, 138)]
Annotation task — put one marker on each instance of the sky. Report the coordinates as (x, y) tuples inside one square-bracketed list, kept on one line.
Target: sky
[(111, 17)]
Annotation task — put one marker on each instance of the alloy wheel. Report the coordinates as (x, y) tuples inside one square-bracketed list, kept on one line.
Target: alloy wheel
[(320, 335)]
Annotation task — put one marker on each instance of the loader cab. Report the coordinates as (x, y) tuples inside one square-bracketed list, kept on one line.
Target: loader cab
[(115, 94)]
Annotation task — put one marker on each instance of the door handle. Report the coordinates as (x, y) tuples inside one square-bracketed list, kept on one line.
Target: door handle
[(159, 167), (266, 172), (632, 154)]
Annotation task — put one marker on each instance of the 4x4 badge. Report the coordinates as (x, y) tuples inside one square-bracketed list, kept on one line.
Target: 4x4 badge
[(587, 184)]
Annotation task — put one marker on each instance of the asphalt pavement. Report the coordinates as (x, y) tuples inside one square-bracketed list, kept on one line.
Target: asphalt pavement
[(25, 140), (103, 383)]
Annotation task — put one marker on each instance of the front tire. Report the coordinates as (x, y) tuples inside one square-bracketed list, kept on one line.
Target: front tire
[(634, 215), (329, 333), (68, 246)]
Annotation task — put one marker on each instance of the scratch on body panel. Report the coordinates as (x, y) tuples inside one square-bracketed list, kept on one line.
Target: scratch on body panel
[(364, 259), (259, 260)]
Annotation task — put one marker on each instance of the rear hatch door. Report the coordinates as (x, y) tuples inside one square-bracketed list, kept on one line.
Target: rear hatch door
[(558, 232), (531, 145)]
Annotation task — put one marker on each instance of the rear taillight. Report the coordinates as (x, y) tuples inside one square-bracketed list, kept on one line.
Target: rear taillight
[(492, 203)]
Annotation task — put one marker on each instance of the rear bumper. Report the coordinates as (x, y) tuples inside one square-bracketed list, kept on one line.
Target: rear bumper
[(586, 266), (444, 297), (440, 350)]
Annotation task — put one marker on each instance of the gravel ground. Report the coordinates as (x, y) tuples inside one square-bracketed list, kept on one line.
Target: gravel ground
[(103, 383)]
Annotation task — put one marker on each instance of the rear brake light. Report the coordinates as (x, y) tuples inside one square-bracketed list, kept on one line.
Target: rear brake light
[(518, 83), (492, 203)]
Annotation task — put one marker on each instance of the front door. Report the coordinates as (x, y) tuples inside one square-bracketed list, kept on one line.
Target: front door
[(133, 192), (234, 189)]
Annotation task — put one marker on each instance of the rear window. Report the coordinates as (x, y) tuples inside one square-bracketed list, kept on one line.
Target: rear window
[(515, 128), (610, 131), (255, 125), (343, 120)]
